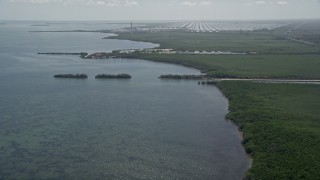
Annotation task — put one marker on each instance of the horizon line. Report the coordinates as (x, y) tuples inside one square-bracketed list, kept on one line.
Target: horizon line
[(164, 20)]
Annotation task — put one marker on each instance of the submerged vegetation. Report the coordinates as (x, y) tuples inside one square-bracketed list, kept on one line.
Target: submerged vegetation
[(280, 122), (42, 137), (281, 127)]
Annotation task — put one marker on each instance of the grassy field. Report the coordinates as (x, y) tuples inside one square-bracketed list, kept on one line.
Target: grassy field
[(281, 125)]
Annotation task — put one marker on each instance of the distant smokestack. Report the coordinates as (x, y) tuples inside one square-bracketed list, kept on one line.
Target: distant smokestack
[(131, 27)]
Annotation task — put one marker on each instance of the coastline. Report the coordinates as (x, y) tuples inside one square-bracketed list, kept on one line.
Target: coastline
[(241, 133), (250, 159), (256, 168), (235, 120), (277, 120)]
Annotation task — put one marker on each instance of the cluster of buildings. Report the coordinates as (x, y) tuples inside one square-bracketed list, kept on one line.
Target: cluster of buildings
[(118, 53), (171, 51)]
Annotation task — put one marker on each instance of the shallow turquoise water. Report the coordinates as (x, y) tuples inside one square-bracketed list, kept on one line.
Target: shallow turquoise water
[(143, 128)]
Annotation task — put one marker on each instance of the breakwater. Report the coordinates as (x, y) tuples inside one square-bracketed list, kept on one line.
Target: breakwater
[(81, 54)]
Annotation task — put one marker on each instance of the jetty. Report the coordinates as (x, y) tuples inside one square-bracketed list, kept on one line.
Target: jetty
[(81, 54)]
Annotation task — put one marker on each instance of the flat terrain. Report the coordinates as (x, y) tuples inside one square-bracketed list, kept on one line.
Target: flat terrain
[(262, 42), (279, 53), (280, 122), (220, 26), (281, 125), (287, 66)]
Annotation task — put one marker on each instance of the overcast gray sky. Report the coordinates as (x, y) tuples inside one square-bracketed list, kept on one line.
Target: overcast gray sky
[(158, 10)]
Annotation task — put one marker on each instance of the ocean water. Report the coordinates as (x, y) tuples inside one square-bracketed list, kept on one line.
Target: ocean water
[(142, 128)]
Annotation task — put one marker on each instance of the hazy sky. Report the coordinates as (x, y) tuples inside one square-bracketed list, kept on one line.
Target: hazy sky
[(157, 10)]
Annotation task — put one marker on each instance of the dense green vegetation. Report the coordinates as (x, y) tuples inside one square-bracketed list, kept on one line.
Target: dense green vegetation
[(280, 122), (263, 42), (278, 56), (251, 66), (112, 76), (281, 125), (74, 76)]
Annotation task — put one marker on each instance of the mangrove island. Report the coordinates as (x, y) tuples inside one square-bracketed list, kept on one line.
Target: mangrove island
[(74, 76), (110, 76)]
